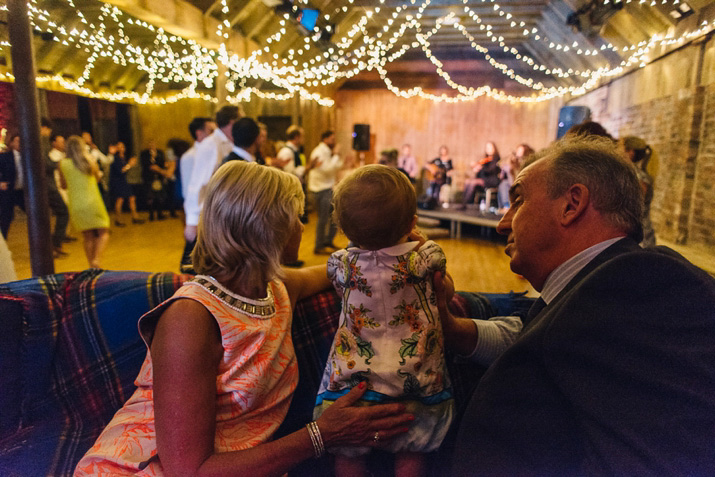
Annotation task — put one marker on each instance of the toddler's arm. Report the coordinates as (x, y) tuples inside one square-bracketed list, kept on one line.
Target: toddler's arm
[(305, 282), (480, 340)]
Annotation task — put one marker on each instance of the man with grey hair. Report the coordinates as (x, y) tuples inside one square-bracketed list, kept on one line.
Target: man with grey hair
[(614, 370)]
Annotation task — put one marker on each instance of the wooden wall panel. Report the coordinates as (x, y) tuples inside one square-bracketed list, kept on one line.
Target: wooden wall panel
[(163, 122), (310, 115), (62, 105), (102, 109), (464, 128), (166, 121)]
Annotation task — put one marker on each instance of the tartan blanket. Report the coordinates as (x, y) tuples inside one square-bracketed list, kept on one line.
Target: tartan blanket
[(79, 354), (70, 351)]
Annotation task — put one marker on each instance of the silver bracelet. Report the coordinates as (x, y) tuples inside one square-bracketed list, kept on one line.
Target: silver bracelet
[(316, 439)]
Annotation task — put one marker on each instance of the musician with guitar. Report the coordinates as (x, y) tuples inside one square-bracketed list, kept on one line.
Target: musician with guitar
[(438, 173)]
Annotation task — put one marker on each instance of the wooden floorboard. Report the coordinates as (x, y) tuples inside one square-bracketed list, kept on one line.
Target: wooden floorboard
[(477, 261)]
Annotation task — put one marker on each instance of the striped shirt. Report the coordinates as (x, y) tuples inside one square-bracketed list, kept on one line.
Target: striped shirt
[(497, 334), (562, 275)]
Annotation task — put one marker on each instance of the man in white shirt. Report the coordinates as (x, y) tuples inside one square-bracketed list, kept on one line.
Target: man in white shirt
[(200, 128), (57, 203), (325, 162), (208, 156), (288, 158), (292, 160)]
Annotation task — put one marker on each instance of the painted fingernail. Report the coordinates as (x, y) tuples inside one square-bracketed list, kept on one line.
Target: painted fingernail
[(411, 417), (405, 429)]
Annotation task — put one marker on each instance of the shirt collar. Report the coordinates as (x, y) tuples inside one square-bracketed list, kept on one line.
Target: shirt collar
[(243, 154), (395, 250), (562, 275), (220, 136)]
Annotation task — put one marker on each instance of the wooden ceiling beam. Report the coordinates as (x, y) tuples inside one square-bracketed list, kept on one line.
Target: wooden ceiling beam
[(180, 17), (259, 20), (121, 79), (246, 12), (50, 49), (509, 7), (545, 58), (212, 7), (559, 32), (136, 78), (236, 10)]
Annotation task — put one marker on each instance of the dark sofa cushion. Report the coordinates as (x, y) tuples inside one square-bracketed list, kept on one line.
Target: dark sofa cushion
[(10, 363)]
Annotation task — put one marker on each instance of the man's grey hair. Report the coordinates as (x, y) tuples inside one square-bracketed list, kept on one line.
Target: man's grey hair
[(611, 180)]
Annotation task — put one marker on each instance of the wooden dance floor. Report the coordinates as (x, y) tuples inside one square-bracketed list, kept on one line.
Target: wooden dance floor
[(476, 263)]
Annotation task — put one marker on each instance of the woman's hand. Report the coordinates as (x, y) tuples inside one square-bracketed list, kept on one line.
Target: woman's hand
[(343, 423)]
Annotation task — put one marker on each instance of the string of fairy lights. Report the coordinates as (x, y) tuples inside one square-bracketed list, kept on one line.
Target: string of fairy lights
[(310, 64)]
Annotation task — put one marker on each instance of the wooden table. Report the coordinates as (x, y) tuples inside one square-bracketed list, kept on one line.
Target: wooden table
[(458, 217)]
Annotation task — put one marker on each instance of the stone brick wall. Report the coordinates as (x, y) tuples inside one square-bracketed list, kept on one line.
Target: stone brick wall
[(702, 221), (679, 124)]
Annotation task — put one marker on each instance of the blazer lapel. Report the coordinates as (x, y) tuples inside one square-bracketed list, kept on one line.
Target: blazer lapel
[(622, 246)]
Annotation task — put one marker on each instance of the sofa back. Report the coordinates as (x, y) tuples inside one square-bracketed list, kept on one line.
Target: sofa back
[(70, 353)]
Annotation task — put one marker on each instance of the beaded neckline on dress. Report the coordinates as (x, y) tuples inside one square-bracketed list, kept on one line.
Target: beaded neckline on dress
[(261, 308)]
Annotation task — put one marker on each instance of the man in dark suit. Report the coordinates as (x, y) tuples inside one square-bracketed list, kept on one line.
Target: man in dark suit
[(614, 370), (8, 176)]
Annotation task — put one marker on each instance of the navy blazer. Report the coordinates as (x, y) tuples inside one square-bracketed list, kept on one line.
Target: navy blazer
[(615, 376)]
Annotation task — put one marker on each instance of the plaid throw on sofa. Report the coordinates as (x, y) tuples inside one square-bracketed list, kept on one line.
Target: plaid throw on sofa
[(80, 352)]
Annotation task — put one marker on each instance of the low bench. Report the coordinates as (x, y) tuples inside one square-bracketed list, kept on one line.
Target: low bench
[(457, 217)]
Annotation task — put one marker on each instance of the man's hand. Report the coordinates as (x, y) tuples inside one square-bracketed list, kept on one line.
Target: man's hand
[(460, 334)]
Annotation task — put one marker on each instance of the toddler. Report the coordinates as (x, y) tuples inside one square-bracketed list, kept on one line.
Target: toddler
[(390, 335)]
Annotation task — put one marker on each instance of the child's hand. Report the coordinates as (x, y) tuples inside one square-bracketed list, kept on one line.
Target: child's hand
[(417, 235), (444, 291)]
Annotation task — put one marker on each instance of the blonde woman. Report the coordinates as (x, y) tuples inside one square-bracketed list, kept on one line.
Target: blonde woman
[(220, 369), (87, 211)]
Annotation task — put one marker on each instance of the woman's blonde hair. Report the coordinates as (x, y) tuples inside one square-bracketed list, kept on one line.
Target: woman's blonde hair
[(248, 215), (375, 206), (77, 151)]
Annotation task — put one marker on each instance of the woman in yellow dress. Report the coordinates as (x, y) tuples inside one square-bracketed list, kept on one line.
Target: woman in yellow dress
[(87, 211)]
